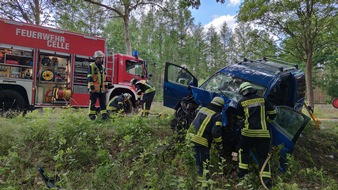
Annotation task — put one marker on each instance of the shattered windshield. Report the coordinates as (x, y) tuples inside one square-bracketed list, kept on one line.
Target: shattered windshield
[(228, 85)]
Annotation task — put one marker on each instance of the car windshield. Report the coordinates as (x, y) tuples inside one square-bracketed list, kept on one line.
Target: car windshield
[(228, 85)]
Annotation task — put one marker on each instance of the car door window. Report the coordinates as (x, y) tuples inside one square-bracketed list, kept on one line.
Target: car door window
[(290, 122), (179, 75)]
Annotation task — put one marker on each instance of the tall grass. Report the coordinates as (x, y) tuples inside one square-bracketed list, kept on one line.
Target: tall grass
[(127, 152)]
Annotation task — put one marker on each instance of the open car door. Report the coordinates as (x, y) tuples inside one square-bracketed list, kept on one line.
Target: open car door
[(286, 129), (177, 82)]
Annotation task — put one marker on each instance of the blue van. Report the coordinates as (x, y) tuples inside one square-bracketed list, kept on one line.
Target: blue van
[(283, 84)]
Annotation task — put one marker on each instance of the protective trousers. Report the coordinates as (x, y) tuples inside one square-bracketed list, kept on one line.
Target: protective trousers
[(201, 155), (262, 147), (102, 100), (146, 102)]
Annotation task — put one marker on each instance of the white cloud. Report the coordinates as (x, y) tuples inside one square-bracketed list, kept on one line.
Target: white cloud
[(234, 2), (218, 21)]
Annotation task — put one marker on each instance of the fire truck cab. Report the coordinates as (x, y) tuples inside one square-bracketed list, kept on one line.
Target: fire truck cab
[(47, 67)]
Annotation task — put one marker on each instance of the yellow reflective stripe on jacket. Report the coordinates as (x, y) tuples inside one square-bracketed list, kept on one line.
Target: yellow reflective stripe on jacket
[(197, 138), (241, 164), (150, 88), (205, 122), (246, 131), (253, 102), (263, 122), (98, 79), (218, 140), (255, 133)]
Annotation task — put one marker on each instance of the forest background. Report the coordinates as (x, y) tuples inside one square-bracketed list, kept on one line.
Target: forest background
[(300, 32)]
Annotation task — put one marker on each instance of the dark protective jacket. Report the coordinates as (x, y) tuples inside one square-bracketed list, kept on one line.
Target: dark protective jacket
[(143, 87), (97, 78), (207, 126), (116, 104), (254, 110)]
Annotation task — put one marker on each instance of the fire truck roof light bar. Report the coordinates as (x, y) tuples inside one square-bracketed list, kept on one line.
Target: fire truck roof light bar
[(14, 23)]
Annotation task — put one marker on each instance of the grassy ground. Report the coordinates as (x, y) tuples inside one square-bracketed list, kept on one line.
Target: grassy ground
[(133, 153)]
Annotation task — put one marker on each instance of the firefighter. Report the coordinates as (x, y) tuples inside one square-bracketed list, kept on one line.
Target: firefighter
[(97, 86), (205, 129), (252, 113), (145, 94), (183, 76), (117, 103)]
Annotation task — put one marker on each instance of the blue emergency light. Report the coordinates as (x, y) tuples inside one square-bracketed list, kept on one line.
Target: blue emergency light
[(135, 54)]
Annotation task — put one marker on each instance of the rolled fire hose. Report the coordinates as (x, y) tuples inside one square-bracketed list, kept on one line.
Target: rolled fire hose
[(62, 94), (47, 75)]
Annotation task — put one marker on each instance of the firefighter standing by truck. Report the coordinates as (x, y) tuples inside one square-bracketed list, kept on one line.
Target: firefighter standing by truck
[(97, 86), (145, 91), (205, 129), (252, 113)]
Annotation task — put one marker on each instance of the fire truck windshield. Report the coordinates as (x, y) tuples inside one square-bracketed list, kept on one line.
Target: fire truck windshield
[(134, 68)]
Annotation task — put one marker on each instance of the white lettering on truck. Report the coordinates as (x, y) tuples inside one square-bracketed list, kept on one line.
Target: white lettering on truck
[(53, 41)]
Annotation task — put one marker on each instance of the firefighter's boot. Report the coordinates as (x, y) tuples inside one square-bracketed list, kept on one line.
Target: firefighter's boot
[(105, 116), (92, 116)]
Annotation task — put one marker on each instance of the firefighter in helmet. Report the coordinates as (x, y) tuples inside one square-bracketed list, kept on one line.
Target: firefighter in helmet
[(206, 129), (183, 76), (97, 86), (252, 113), (118, 103), (145, 94)]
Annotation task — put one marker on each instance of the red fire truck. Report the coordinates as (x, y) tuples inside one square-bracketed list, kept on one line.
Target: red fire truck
[(47, 67)]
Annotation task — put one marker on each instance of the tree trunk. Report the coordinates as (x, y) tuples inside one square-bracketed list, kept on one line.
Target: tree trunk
[(126, 36), (308, 78)]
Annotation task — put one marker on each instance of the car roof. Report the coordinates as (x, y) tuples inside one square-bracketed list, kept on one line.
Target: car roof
[(261, 72)]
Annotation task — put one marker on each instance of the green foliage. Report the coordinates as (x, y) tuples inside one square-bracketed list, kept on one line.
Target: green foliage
[(125, 153)]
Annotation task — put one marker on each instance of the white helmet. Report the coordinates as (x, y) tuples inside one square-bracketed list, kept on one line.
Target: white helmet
[(98, 53), (126, 95), (184, 66)]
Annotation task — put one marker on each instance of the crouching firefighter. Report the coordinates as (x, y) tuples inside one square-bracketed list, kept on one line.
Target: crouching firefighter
[(97, 86), (146, 92), (118, 103), (205, 129), (252, 113)]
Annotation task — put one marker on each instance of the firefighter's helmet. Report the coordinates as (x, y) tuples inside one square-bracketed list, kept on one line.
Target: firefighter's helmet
[(126, 96), (218, 101), (98, 53), (133, 81), (245, 87)]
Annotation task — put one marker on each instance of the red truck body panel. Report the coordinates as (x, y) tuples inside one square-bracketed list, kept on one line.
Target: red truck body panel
[(48, 67)]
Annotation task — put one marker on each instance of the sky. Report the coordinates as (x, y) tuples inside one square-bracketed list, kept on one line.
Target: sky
[(211, 12)]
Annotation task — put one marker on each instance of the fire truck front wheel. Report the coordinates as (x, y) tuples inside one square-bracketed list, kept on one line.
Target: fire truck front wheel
[(11, 100)]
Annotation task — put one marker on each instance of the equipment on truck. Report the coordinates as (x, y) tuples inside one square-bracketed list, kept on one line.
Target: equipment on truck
[(47, 67)]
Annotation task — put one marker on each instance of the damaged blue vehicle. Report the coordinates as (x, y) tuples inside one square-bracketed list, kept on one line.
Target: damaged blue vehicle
[(283, 84)]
